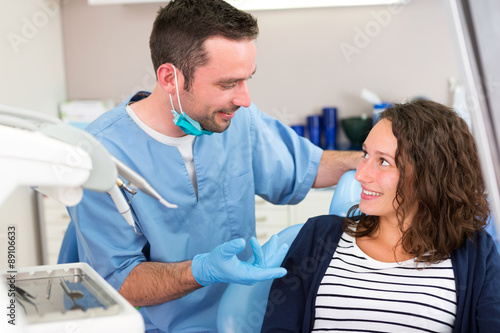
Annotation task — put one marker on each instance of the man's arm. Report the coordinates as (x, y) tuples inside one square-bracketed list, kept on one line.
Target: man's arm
[(334, 164), (151, 283)]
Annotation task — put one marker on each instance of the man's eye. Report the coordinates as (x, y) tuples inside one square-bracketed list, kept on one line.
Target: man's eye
[(365, 155), (229, 86)]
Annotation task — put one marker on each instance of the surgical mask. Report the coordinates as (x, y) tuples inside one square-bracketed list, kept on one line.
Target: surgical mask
[(185, 122)]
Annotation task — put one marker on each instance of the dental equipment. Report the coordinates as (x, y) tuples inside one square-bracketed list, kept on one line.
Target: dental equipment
[(82, 301), (137, 181), (134, 180), (124, 186), (122, 206), (54, 158), (59, 160)]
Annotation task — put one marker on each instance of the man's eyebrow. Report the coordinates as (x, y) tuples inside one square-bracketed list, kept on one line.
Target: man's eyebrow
[(232, 80)]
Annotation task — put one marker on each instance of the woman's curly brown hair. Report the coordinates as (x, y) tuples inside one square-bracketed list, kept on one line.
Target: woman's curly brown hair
[(440, 173)]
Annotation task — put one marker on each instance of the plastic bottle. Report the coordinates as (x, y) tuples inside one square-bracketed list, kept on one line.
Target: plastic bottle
[(330, 127), (314, 129), (378, 109)]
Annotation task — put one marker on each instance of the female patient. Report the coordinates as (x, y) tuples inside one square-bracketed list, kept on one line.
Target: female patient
[(417, 258)]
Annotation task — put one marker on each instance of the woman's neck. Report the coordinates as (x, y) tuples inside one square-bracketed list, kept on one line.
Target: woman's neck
[(384, 244)]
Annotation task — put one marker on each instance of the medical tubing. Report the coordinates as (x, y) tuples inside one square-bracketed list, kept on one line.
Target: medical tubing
[(122, 205)]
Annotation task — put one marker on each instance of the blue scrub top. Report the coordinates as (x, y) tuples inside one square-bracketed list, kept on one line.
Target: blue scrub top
[(257, 154)]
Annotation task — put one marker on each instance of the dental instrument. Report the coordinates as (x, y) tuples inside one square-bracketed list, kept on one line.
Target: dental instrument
[(137, 181), (122, 205)]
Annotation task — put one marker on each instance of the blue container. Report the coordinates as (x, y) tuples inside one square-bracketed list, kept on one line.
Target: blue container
[(330, 127), (314, 128), (378, 109), (299, 129)]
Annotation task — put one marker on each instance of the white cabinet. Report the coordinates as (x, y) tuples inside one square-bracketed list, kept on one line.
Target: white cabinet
[(271, 219), (56, 221)]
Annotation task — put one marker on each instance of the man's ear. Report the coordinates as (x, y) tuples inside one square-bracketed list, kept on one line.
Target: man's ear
[(166, 78)]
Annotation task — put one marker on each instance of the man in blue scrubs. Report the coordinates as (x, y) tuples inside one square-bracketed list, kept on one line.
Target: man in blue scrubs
[(205, 147)]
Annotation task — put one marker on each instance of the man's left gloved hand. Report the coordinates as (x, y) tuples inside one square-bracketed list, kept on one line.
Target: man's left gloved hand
[(222, 264), (269, 255)]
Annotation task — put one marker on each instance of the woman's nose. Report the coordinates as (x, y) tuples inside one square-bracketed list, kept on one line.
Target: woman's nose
[(362, 172)]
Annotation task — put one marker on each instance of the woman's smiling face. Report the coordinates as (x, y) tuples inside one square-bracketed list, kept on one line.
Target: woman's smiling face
[(377, 172)]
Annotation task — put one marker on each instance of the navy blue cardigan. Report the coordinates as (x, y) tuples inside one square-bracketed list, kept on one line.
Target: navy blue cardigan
[(476, 265)]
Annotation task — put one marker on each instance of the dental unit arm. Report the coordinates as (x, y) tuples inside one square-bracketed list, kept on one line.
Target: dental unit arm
[(59, 160)]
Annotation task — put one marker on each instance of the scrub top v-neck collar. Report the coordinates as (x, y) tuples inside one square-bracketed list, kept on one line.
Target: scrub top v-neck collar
[(184, 144)]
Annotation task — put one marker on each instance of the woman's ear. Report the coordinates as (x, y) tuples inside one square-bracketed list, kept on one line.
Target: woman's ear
[(166, 74)]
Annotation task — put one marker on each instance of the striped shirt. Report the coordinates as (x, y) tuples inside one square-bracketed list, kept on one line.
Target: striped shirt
[(360, 294)]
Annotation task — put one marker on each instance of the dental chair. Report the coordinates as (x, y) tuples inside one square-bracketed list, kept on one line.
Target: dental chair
[(242, 308)]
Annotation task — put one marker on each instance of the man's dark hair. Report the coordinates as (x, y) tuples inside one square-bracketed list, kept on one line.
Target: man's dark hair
[(182, 27)]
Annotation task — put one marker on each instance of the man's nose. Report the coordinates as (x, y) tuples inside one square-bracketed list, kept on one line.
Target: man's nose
[(242, 97)]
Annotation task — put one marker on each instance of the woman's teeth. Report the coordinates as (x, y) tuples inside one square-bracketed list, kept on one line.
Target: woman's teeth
[(371, 193)]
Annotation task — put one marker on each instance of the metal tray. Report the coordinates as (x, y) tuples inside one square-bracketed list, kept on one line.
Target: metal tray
[(43, 297)]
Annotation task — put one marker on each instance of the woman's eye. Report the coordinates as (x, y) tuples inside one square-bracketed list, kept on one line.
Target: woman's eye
[(365, 155), (384, 163)]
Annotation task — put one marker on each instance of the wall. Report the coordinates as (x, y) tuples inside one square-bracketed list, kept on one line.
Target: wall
[(307, 58), (32, 58), (31, 77)]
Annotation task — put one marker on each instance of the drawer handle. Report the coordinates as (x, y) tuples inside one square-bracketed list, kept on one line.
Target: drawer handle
[(261, 219)]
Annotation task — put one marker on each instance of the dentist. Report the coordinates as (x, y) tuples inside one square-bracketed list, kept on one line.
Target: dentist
[(205, 147)]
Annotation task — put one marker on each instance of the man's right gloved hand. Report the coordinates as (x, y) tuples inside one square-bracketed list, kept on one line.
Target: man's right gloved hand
[(222, 265)]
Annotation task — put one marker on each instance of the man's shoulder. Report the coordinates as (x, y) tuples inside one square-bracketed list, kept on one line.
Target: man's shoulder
[(106, 120), (244, 114), (109, 118)]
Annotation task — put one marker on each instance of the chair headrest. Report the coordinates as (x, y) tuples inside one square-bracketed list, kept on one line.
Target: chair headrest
[(347, 194)]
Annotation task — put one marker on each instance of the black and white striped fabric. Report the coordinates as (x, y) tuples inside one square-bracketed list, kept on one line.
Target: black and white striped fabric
[(360, 294)]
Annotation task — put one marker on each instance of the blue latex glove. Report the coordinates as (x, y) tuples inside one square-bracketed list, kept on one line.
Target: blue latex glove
[(269, 256), (222, 265)]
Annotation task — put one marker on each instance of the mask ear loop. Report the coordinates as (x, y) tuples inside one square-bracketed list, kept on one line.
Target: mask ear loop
[(177, 90)]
